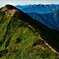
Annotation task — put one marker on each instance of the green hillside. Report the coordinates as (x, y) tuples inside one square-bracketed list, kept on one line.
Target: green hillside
[(19, 40)]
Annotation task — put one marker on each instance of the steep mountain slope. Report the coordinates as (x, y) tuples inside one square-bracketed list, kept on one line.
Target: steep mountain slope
[(20, 36), (46, 14)]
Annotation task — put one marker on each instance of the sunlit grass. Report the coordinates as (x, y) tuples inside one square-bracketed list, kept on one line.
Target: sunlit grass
[(21, 41)]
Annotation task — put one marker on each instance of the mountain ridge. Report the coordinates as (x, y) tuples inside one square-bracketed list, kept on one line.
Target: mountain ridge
[(20, 36), (42, 9), (38, 25)]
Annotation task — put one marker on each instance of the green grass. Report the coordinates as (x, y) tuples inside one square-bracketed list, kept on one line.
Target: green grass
[(20, 39)]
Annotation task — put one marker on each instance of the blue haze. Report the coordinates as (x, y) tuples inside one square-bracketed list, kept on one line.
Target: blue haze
[(46, 14)]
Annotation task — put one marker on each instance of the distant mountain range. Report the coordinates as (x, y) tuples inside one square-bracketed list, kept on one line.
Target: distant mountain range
[(40, 9), (46, 14)]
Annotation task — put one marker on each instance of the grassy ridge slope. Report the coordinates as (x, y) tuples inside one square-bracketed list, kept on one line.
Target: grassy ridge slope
[(19, 40)]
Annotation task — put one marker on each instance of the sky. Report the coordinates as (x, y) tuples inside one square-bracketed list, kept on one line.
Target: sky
[(26, 2)]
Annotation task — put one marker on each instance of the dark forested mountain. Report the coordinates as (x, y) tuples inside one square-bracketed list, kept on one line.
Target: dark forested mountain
[(22, 37)]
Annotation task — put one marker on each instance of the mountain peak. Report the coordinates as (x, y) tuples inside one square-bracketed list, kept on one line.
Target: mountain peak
[(20, 33), (7, 7)]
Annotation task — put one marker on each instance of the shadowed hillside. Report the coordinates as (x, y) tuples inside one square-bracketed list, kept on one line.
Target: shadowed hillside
[(20, 36)]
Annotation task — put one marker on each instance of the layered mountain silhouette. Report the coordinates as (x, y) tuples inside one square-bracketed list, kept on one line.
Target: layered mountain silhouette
[(39, 9), (20, 36), (46, 14)]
